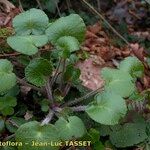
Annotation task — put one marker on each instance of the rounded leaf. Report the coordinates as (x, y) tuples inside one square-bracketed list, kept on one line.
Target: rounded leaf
[(33, 21), (118, 81), (71, 128), (7, 77), (33, 132), (108, 109), (27, 44), (133, 66), (129, 135), (38, 71), (68, 43), (72, 25), (6, 105)]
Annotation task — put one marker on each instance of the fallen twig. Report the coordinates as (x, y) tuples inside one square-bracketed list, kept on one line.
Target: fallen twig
[(109, 25)]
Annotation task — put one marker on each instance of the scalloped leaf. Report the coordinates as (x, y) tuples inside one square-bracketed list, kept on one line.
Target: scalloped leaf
[(6, 105), (71, 128), (7, 77), (33, 131), (27, 44), (38, 71), (108, 109), (33, 21), (133, 66), (129, 135), (72, 25), (68, 43), (118, 81)]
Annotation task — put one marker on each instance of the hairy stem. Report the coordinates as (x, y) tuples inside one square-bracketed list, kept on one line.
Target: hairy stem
[(66, 89), (23, 82), (48, 118), (56, 73), (9, 137), (78, 100), (49, 91), (58, 10), (63, 70), (78, 108), (39, 4)]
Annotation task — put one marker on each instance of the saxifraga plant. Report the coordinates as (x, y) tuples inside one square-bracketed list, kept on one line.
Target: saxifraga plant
[(108, 107)]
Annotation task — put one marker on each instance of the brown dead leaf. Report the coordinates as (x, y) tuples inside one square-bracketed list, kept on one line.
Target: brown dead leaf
[(28, 115), (138, 51), (95, 29), (90, 73)]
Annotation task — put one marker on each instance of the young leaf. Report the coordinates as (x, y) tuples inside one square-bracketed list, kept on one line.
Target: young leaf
[(44, 105), (129, 135), (133, 66), (72, 25), (33, 131), (6, 105), (94, 135), (108, 109), (27, 44), (33, 21), (7, 77), (118, 81), (71, 128), (71, 73), (68, 43), (38, 71)]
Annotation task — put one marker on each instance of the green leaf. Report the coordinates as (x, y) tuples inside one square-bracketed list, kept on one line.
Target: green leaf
[(71, 128), (13, 123), (6, 105), (72, 25), (27, 44), (14, 91), (118, 81), (98, 146), (108, 109), (51, 5), (33, 131), (9, 148), (2, 125), (33, 21), (148, 1), (38, 71), (71, 73), (133, 66), (45, 105), (68, 43), (94, 135), (7, 77), (129, 135)]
